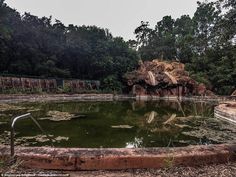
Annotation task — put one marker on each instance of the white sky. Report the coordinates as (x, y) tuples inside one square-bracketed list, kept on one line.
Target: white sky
[(121, 17)]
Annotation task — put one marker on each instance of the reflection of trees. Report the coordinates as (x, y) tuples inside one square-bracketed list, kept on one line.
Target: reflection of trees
[(41, 109)]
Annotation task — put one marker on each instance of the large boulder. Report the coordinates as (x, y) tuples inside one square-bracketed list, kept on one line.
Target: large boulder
[(163, 78)]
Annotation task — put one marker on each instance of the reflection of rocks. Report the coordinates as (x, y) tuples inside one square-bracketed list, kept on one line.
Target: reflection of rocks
[(58, 116), (138, 105), (151, 117), (154, 122), (170, 120), (148, 121), (8, 107)]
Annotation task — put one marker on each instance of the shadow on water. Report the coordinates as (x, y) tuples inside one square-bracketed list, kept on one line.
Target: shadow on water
[(117, 124)]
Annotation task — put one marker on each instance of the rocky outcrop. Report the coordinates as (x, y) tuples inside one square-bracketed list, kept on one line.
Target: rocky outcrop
[(163, 78)]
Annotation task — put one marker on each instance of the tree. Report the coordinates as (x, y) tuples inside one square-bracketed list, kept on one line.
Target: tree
[(184, 31), (205, 19), (40, 47), (205, 43)]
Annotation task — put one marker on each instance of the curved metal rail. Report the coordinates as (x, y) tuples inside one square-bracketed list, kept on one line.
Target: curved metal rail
[(13, 122)]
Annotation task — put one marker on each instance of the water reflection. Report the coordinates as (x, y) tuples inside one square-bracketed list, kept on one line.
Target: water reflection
[(120, 124)]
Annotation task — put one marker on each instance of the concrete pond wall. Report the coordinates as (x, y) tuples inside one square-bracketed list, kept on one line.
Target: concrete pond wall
[(226, 111), (119, 158), (116, 158)]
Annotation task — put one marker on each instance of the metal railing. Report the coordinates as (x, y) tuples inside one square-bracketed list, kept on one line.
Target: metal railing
[(13, 122)]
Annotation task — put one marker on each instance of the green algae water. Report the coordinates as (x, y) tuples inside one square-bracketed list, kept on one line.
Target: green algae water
[(118, 124)]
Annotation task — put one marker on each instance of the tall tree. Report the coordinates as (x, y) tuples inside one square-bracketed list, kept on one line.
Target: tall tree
[(41, 47)]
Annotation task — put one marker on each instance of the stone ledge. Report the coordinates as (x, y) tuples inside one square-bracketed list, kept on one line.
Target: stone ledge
[(115, 159), (55, 97)]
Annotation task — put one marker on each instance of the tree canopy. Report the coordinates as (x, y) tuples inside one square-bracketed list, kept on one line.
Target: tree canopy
[(35, 46), (205, 43)]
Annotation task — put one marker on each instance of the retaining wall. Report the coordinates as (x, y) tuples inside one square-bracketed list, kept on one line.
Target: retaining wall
[(7, 83), (123, 158), (49, 85)]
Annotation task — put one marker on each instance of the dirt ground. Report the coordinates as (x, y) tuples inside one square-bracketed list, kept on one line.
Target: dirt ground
[(221, 170)]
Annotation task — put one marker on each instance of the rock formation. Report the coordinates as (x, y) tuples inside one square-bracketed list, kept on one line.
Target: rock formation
[(163, 78)]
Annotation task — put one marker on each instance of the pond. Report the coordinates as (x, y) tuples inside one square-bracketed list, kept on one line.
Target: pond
[(116, 124)]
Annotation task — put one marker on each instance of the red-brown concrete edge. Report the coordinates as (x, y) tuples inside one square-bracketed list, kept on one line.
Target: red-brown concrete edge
[(120, 158)]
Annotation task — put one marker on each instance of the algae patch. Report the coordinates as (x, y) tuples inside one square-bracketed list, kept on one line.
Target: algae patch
[(59, 116), (122, 126), (31, 140), (8, 107), (213, 130)]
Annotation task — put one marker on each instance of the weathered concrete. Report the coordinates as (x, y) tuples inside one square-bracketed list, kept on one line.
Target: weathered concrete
[(55, 97), (111, 159), (23, 84), (226, 111), (12, 98)]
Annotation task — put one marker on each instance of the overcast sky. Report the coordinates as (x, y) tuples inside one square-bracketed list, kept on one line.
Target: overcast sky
[(121, 17)]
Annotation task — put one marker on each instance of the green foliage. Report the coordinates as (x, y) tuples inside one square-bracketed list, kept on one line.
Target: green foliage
[(112, 84), (36, 46), (206, 43), (201, 78)]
